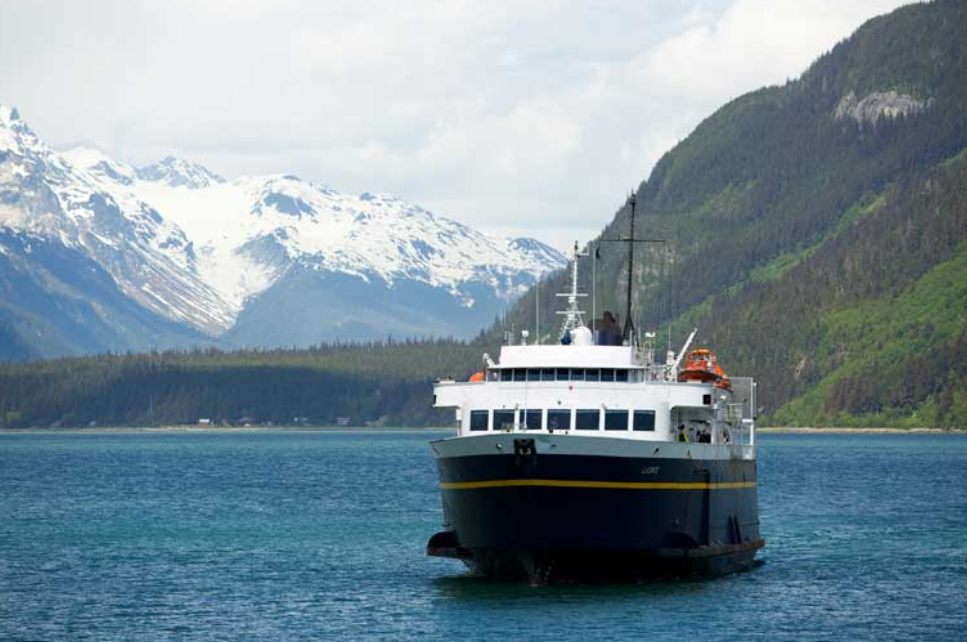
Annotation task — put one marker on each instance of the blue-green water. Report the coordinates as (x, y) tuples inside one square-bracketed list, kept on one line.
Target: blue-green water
[(320, 536)]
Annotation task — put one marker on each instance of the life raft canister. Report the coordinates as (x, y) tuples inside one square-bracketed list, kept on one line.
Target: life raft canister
[(701, 365)]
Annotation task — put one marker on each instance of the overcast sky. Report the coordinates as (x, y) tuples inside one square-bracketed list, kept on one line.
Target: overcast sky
[(523, 118)]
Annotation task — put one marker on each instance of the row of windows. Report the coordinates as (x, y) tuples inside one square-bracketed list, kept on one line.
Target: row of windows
[(557, 419), (565, 374)]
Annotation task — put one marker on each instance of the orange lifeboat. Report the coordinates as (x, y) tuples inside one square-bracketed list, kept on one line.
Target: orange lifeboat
[(477, 376), (701, 365)]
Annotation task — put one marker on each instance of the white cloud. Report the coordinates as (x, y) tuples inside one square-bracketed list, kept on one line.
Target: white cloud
[(754, 42), (530, 116)]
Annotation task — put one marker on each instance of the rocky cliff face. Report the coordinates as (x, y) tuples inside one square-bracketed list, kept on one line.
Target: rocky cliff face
[(879, 105)]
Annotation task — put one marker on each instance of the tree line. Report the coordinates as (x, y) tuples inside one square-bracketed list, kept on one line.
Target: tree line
[(388, 381)]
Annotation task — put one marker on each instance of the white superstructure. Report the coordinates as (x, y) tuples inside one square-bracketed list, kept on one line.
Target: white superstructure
[(581, 387)]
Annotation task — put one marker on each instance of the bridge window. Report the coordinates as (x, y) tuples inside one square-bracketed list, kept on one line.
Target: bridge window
[(532, 419), (503, 419), (644, 420), (565, 374), (479, 419), (616, 420), (558, 419), (587, 419)]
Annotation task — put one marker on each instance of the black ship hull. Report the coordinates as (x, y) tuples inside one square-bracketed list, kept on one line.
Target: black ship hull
[(530, 513)]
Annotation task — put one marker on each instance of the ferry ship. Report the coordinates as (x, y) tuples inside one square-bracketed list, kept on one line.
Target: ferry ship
[(591, 460)]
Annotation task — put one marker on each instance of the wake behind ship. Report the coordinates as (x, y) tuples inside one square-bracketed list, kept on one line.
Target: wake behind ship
[(590, 460)]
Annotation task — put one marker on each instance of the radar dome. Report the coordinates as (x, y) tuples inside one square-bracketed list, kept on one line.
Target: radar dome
[(581, 336)]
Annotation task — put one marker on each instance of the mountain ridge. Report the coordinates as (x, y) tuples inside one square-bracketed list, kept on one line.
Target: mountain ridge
[(196, 249)]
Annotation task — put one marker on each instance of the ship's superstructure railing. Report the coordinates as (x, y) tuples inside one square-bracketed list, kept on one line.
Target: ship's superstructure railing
[(600, 400), (641, 358), (610, 387), (743, 398)]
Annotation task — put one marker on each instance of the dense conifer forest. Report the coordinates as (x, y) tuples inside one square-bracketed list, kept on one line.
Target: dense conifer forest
[(377, 383)]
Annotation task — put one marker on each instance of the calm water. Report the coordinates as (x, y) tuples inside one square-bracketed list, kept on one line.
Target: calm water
[(320, 536)]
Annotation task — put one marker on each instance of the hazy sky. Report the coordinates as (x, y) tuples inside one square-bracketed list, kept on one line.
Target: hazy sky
[(522, 118)]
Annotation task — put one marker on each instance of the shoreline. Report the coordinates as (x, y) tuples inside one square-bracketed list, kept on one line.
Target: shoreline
[(220, 429), (794, 430), (774, 430)]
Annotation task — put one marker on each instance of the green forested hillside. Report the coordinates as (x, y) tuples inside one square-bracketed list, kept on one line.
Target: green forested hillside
[(315, 386), (821, 252)]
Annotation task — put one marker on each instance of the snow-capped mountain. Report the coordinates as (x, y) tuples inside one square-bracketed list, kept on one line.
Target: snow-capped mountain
[(150, 258), (258, 260), (175, 172)]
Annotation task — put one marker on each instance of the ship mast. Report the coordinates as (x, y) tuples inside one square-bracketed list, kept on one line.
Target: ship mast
[(629, 330), (572, 316), (629, 326)]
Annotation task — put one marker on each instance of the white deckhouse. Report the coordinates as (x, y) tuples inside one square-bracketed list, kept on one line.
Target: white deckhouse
[(588, 386)]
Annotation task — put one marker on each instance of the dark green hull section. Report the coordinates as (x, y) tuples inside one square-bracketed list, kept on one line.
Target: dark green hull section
[(577, 517)]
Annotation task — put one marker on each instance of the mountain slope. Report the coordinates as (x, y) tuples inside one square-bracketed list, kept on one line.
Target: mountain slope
[(55, 301), (148, 257), (805, 221), (251, 232), (175, 172), (215, 257)]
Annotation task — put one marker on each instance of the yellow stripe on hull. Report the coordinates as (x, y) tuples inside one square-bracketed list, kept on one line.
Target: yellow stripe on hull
[(568, 483)]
